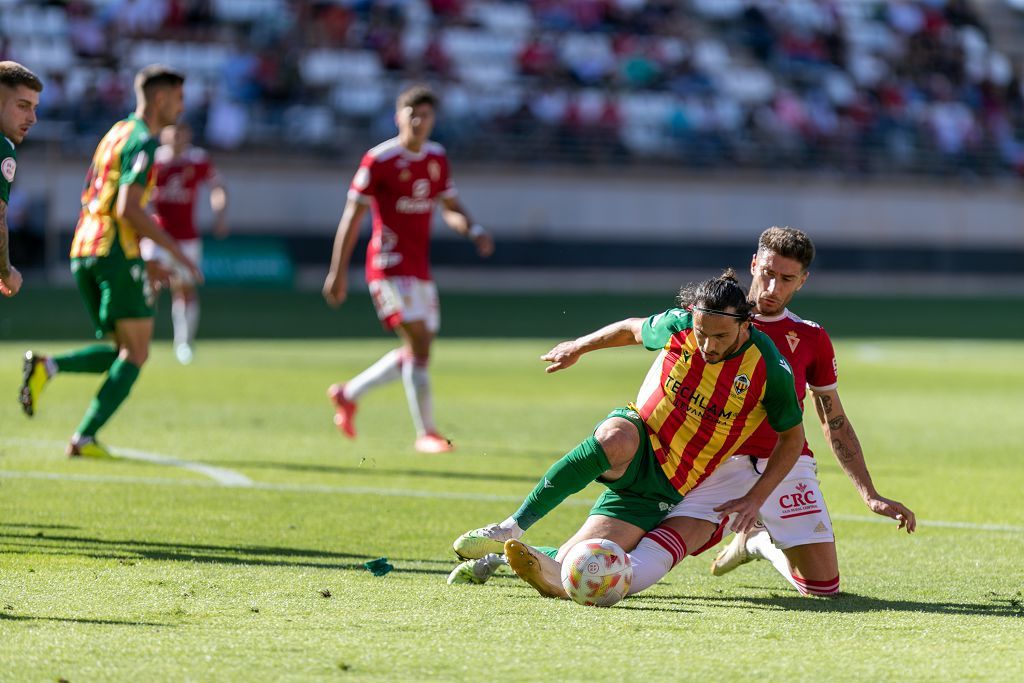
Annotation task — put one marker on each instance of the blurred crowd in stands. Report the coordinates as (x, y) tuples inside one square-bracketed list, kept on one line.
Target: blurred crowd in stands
[(913, 86)]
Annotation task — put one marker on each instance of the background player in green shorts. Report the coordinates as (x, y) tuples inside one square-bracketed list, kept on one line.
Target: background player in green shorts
[(715, 380), (19, 97), (106, 262)]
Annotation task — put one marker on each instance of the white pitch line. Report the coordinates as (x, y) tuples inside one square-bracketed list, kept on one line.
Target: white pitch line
[(222, 476), (437, 495)]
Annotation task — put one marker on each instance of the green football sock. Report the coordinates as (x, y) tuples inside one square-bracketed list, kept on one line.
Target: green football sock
[(547, 550), (571, 474), (110, 396), (95, 359)]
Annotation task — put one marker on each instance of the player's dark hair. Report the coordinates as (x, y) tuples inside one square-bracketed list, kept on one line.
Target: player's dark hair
[(788, 242), (13, 74), (154, 77), (415, 96), (717, 296)]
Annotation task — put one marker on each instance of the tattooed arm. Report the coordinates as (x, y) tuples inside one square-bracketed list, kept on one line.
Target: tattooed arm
[(10, 278), (845, 445)]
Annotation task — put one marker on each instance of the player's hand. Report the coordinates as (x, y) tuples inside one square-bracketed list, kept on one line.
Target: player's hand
[(197, 274), (10, 285), (894, 509), (561, 357), (159, 276), (484, 244), (743, 512), (335, 289)]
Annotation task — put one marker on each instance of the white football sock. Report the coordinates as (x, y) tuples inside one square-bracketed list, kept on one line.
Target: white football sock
[(512, 525), (654, 557), (387, 369), (179, 317), (417, 391), (761, 547), (192, 320)]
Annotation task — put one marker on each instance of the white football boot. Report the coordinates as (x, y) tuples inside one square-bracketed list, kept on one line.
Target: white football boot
[(477, 571), (736, 553), (474, 544)]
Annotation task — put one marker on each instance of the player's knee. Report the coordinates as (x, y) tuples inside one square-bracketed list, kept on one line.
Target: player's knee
[(135, 356), (619, 439)]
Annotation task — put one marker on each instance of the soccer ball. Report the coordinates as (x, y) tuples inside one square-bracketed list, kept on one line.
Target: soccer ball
[(596, 572)]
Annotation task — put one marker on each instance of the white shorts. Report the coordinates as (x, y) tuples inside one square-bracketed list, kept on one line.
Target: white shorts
[(193, 249), (794, 514), (405, 300)]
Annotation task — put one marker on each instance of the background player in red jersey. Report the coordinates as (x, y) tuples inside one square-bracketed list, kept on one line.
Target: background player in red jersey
[(180, 171), (399, 180)]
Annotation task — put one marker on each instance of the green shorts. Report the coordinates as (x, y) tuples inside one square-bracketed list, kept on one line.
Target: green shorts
[(643, 495), (113, 288)]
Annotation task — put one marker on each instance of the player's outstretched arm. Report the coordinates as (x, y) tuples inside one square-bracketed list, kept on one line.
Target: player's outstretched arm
[(129, 207), (623, 333), (335, 288), (744, 510), (10, 278), (219, 205), (455, 215), (846, 447)]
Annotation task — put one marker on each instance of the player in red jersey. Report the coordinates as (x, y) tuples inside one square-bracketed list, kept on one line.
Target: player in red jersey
[(180, 170), (399, 181)]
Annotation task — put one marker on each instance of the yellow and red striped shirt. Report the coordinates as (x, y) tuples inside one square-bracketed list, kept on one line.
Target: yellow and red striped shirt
[(697, 413), (123, 157)]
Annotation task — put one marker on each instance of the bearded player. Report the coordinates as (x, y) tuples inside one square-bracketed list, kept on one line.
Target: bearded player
[(399, 181)]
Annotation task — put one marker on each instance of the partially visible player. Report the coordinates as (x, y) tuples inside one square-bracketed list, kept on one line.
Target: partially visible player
[(19, 97), (181, 169), (106, 261), (715, 380), (399, 181)]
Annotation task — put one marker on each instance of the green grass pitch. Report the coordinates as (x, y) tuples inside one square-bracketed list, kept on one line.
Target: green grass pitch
[(137, 570)]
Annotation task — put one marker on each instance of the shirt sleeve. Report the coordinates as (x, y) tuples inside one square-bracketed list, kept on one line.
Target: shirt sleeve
[(823, 374), (658, 329), (8, 166), (780, 401), (448, 188), (364, 182), (136, 162)]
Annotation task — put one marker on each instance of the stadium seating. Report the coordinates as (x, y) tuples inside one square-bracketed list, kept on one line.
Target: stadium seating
[(864, 87)]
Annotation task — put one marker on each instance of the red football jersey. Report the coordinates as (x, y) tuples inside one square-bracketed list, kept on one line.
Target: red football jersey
[(401, 187), (177, 185), (807, 347)]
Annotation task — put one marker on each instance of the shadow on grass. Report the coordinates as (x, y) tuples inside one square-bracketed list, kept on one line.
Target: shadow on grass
[(73, 620), (370, 470), (263, 556), (851, 603), (37, 526)]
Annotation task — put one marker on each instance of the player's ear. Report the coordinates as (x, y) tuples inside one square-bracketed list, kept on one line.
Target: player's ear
[(753, 264)]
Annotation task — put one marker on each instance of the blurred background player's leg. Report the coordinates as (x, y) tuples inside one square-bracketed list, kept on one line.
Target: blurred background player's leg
[(387, 369)]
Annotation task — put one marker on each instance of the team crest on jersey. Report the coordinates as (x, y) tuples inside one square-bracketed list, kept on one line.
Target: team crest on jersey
[(421, 188), (434, 170), (740, 385), (793, 339), (8, 167), (404, 175)]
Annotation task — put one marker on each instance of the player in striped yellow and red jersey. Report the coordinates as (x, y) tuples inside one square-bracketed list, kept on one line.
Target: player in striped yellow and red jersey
[(714, 381), (106, 262)]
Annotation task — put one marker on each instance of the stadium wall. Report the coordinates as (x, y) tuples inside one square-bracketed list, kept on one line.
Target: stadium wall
[(557, 219)]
